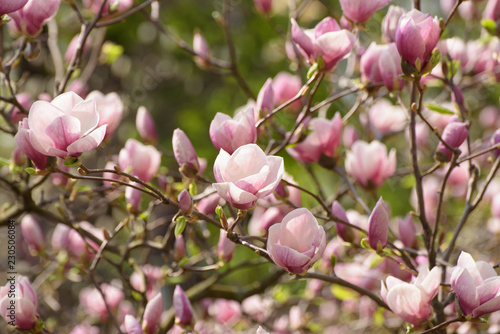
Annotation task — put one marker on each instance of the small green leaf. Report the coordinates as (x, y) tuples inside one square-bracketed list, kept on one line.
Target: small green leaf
[(72, 162), (4, 162), (193, 189), (180, 225), (365, 243), (313, 69), (219, 211), (439, 109), (490, 26), (333, 260), (31, 171)]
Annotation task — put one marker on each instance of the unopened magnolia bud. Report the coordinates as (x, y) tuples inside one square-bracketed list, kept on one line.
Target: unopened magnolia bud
[(408, 231), (378, 225), (263, 6), (133, 198), (182, 308), (265, 100), (32, 233), (146, 126), (152, 314), (202, 50), (454, 134), (18, 157), (179, 248), (226, 247), (185, 202), (185, 154), (344, 231)]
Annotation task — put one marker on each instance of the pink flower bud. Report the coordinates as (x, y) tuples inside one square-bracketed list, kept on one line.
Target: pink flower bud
[(25, 301), (265, 100), (390, 23), (11, 6), (246, 175), (226, 247), (182, 307), (132, 325), (140, 160), (285, 87), (110, 108), (152, 314), (79, 87), (350, 136), (73, 46), (495, 140), (133, 197), (386, 118), (263, 6), (179, 248), (202, 50), (59, 239), (492, 10), (146, 126), (369, 163), (412, 302), (32, 233), (208, 204), (416, 36), (185, 202), (18, 157), (58, 179), (85, 328), (111, 7), (324, 140), (25, 101), (297, 242), (408, 231), (327, 41), (489, 117), (230, 133), (185, 154), (344, 231), (378, 225), (454, 134), (359, 10), (30, 19), (226, 312)]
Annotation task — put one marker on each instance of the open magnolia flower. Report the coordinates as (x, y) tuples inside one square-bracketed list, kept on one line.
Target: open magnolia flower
[(246, 175), (297, 242), (65, 127)]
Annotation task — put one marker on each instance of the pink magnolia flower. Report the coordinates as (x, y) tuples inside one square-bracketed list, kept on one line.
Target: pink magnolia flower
[(324, 140), (360, 10), (369, 163), (454, 134), (132, 325), (182, 307), (23, 139), (226, 312), (326, 40), (207, 205), (344, 231), (417, 35), (120, 6), (145, 125), (378, 225), (382, 64), (133, 197), (30, 19), (230, 133), (85, 328), (390, 23), (263, 6), (492, 10), (9, 6), (285, 87), (185, 154), (225, 247), (93, 303), (110, 108), (73, 47), (297, 242), (143, 161), (202, 50), (152, 314), (185, 202), (66, 127), (246, 175), (386, 118), (151, 282), (24, 311), (407, 231), (32, 233), (25, 101), (412, 301), (477, 286)]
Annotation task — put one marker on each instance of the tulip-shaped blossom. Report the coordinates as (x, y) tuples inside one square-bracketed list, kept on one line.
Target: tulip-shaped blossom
[(390, 23), (246, 175), (344, 231), (369, 163), (454, 134), (146, 126), (149, 282), (185, 202), (382, 64), (477, 286), (185, 154), (152, 314), (297, 242), (407, 231), (110, 108), (182, 307), (24, 143), (492, 10), (132, 325), (326, 40), (361, 10), (32, 233), (21, 309), (386, 118), (378, 225), (30, 19), (417, 35), (225, 247), (285, 87), (202, 50), (9, 6), (412, 302), (141, 160), (230, 133), (65, 127), (93, 303), (324, 140)]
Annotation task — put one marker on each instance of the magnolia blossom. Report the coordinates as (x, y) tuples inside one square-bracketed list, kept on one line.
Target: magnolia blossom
[(324, 140), (65, 127), (416, 36), (386, 118), (297, 242), (382, 64), (132, 325), (24, 143), (92, 301), (246, 175), (369, 163), (182, 307), (378, 225), (8, 6), (33, 16), (285, 87), (32, 233), (326, 40), (454, 135), (110, 108), (361, 10), (390, 23), (143, 161), (225, 247), (118, 5), (202, 50), (152, 314), (184, 153), (145, 125), (265, 100), (477, 286), (230, 133), (24, 311), (412, 301), (263, 6)]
